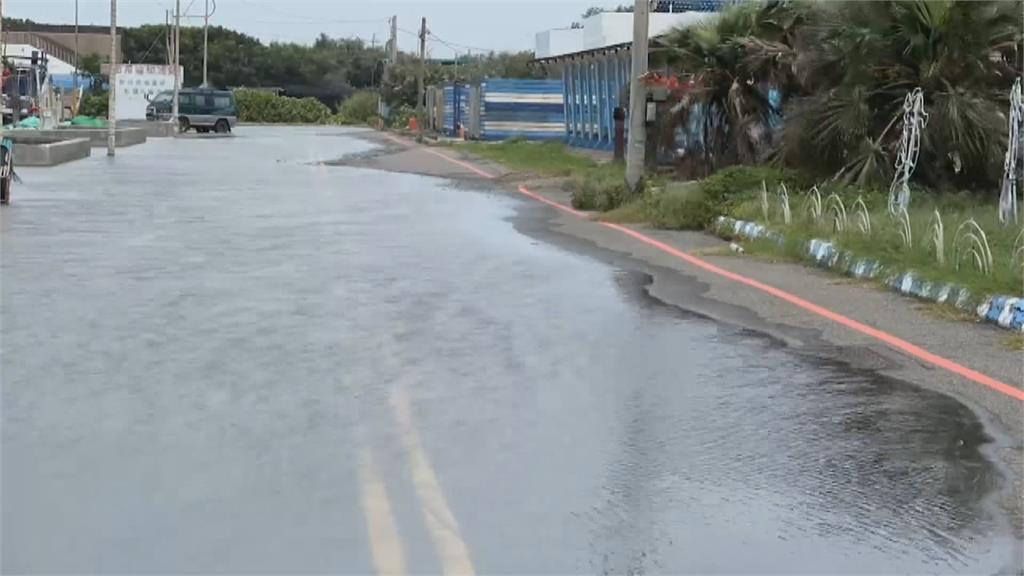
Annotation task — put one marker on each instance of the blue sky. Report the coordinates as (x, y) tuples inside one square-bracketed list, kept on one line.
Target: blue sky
[(466, 24)]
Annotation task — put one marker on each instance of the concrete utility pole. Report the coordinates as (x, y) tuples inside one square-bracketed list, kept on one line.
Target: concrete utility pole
[(637, 98), (1, 64), (168, 43), (391, 49), (112, 94), (419, 79), (75, 80), (206, 38), (394, 40), (177, 64)]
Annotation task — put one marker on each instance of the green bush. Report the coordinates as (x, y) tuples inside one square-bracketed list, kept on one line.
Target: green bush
[(400, 116), (96, 104), (260, 106), (602, 188), (681, 206), (732, 184), (360, 107), (695, 205)]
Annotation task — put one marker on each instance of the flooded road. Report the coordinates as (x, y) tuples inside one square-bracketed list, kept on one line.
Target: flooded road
[(223, 356)]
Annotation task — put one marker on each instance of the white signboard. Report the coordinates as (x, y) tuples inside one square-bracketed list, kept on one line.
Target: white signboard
[(137, 84)]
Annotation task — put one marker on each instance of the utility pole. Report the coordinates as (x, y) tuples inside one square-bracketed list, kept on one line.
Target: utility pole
[(112, 95), (373, 70), (168, 43), (419, 79), (206, 38), (177, 64), (391, 49), (75, 80), (2, 65), (637, 143), (394, 40)]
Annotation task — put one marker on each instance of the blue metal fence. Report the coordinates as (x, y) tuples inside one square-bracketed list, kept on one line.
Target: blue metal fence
[(456, 108), (498, 109), (531, 109), (594, 86)]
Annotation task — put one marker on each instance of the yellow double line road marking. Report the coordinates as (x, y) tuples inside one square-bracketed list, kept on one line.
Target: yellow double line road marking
[(440, 521), (385, 541), (385, 544)]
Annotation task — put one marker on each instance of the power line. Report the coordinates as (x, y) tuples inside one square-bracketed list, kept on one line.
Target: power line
[(455, 45)]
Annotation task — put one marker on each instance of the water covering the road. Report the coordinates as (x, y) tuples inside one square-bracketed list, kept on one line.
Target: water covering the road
[(201, 337)]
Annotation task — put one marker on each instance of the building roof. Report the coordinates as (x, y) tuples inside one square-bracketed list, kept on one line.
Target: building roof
[(15, 25), (53, 64), (608, 31)]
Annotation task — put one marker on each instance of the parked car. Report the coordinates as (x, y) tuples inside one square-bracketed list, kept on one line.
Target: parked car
[(204, 109)]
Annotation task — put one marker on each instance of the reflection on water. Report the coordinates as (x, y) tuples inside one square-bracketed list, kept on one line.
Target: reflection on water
[(188, 357)]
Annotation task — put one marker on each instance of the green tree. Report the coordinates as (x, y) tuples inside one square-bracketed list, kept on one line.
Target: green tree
[(729, 104), (858, 61), (330, 69), (359, 108), (89, 66), (844, 69)]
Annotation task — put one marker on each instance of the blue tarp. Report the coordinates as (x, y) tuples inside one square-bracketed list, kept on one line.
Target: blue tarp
[(67, 81)]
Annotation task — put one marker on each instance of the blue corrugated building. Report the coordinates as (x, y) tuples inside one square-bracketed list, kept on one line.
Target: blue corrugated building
[(594, 62)]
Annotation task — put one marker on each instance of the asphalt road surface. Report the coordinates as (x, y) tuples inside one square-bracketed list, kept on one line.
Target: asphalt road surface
[(224, 356)]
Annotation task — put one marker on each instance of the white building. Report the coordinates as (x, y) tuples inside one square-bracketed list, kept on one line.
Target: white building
[(609, 29), (137, 84), (558, 41), (53, 65)]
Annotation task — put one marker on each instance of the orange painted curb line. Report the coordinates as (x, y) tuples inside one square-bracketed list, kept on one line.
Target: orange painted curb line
[(880, 335), (895, 342)]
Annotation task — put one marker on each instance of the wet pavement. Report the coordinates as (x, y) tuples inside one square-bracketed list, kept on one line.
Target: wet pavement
[(224, 356)]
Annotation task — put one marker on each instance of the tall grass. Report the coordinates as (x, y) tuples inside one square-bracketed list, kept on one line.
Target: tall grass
[(887, 241)]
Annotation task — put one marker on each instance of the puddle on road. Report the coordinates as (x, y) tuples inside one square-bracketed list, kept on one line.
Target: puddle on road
[(250, 315)]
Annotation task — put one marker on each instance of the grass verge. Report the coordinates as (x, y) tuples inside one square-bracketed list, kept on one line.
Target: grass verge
[(736, 192), (887, 242), (632, 212), (540, 158)]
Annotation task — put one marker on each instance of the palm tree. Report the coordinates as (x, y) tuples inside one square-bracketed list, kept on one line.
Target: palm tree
[(734, 62), (855, 62)]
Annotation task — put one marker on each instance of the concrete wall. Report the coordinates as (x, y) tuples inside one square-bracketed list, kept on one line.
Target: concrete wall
[(98, 136), (34, 149), (152, 129)]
